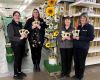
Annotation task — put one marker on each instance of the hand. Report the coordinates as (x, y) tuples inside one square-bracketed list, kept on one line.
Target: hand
[(63, 38), (68, 38), (26, 35), (22, 36), (39, 27), (34, 26), (77, 38), (74, 37)]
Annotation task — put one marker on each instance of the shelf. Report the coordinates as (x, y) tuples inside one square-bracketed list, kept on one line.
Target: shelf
[(90, 15), (96, 27), (92, 60), (85, 4), (94, 49), (96, 39)]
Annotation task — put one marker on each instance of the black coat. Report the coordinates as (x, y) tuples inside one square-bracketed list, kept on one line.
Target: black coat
[(85, 36), (41, 31), (14, 35)]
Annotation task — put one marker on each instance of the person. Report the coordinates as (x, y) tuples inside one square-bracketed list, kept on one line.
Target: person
[(65, 44), (17, 44), (36, 27), (81, 45)]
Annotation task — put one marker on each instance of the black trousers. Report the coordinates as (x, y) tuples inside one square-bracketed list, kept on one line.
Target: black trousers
[(36, 54), (66, 60), (19, 51), (79, 60)]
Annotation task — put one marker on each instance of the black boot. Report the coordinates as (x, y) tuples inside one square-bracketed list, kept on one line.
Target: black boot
[(38, 68), (35, 67), (16, 76)]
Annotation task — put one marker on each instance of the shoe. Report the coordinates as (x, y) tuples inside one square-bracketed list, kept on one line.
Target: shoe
[(79, 79), (17, 77), (67, 75), (38, 68), (22, 74), (63, 78), (61, 75), (35, 68), (75, 78)]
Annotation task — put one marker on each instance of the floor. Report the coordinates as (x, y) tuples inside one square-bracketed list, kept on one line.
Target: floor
[(91, 73)]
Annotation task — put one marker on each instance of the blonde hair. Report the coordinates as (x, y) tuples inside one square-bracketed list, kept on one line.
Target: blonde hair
[(86, 16)]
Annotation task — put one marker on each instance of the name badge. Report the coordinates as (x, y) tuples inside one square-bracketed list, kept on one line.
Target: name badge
[(84, 30)]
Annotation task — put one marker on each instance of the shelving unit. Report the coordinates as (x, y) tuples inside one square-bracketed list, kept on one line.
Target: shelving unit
[(75, 9), (93, 60)]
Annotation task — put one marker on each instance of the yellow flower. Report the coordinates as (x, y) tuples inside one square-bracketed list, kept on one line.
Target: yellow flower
[(51, 2), (55, 33), (50, 11), (50, 36), (48, 44)]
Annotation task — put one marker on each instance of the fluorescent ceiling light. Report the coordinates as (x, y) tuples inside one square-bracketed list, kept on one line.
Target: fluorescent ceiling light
[(3, 12), (22, 8), (27, 1)]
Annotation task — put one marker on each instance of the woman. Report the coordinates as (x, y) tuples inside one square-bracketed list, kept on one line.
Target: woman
[(36, 27), (17, 44), (81, 45), (66, 47)]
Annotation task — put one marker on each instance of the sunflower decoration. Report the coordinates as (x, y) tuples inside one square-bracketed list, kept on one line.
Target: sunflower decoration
[(50, 11), (55, 33), (51, 2), (48, 44), (50, 36)]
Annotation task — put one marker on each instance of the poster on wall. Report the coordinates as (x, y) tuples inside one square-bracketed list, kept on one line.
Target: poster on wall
[(3, 61)]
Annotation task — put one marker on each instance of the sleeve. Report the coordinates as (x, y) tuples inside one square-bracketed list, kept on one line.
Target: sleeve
[(59, 38), (27, 26), (44, 24), (90, 34), (10, 32)]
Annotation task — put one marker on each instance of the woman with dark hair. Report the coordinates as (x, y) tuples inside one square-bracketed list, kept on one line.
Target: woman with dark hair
[(17, 43), (65, 44), (36, 27), (81, 45)]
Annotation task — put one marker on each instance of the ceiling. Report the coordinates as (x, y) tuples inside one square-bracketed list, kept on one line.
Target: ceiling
[(8, 6)]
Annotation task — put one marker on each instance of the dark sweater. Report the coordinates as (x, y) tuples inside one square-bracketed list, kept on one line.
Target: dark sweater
[(41, 31), (85, 36), (65, 43)]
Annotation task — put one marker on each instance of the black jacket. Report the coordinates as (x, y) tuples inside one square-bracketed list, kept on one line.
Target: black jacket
[(28, 26), (13, 33), (86, 35)]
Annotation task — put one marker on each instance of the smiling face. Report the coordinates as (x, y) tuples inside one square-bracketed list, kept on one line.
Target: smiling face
[(67, 22), (35, 14), (16, 17), (83, 20)]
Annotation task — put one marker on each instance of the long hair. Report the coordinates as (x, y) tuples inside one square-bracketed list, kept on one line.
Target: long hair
[(69, 18), (84, 15), (38, 13)]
